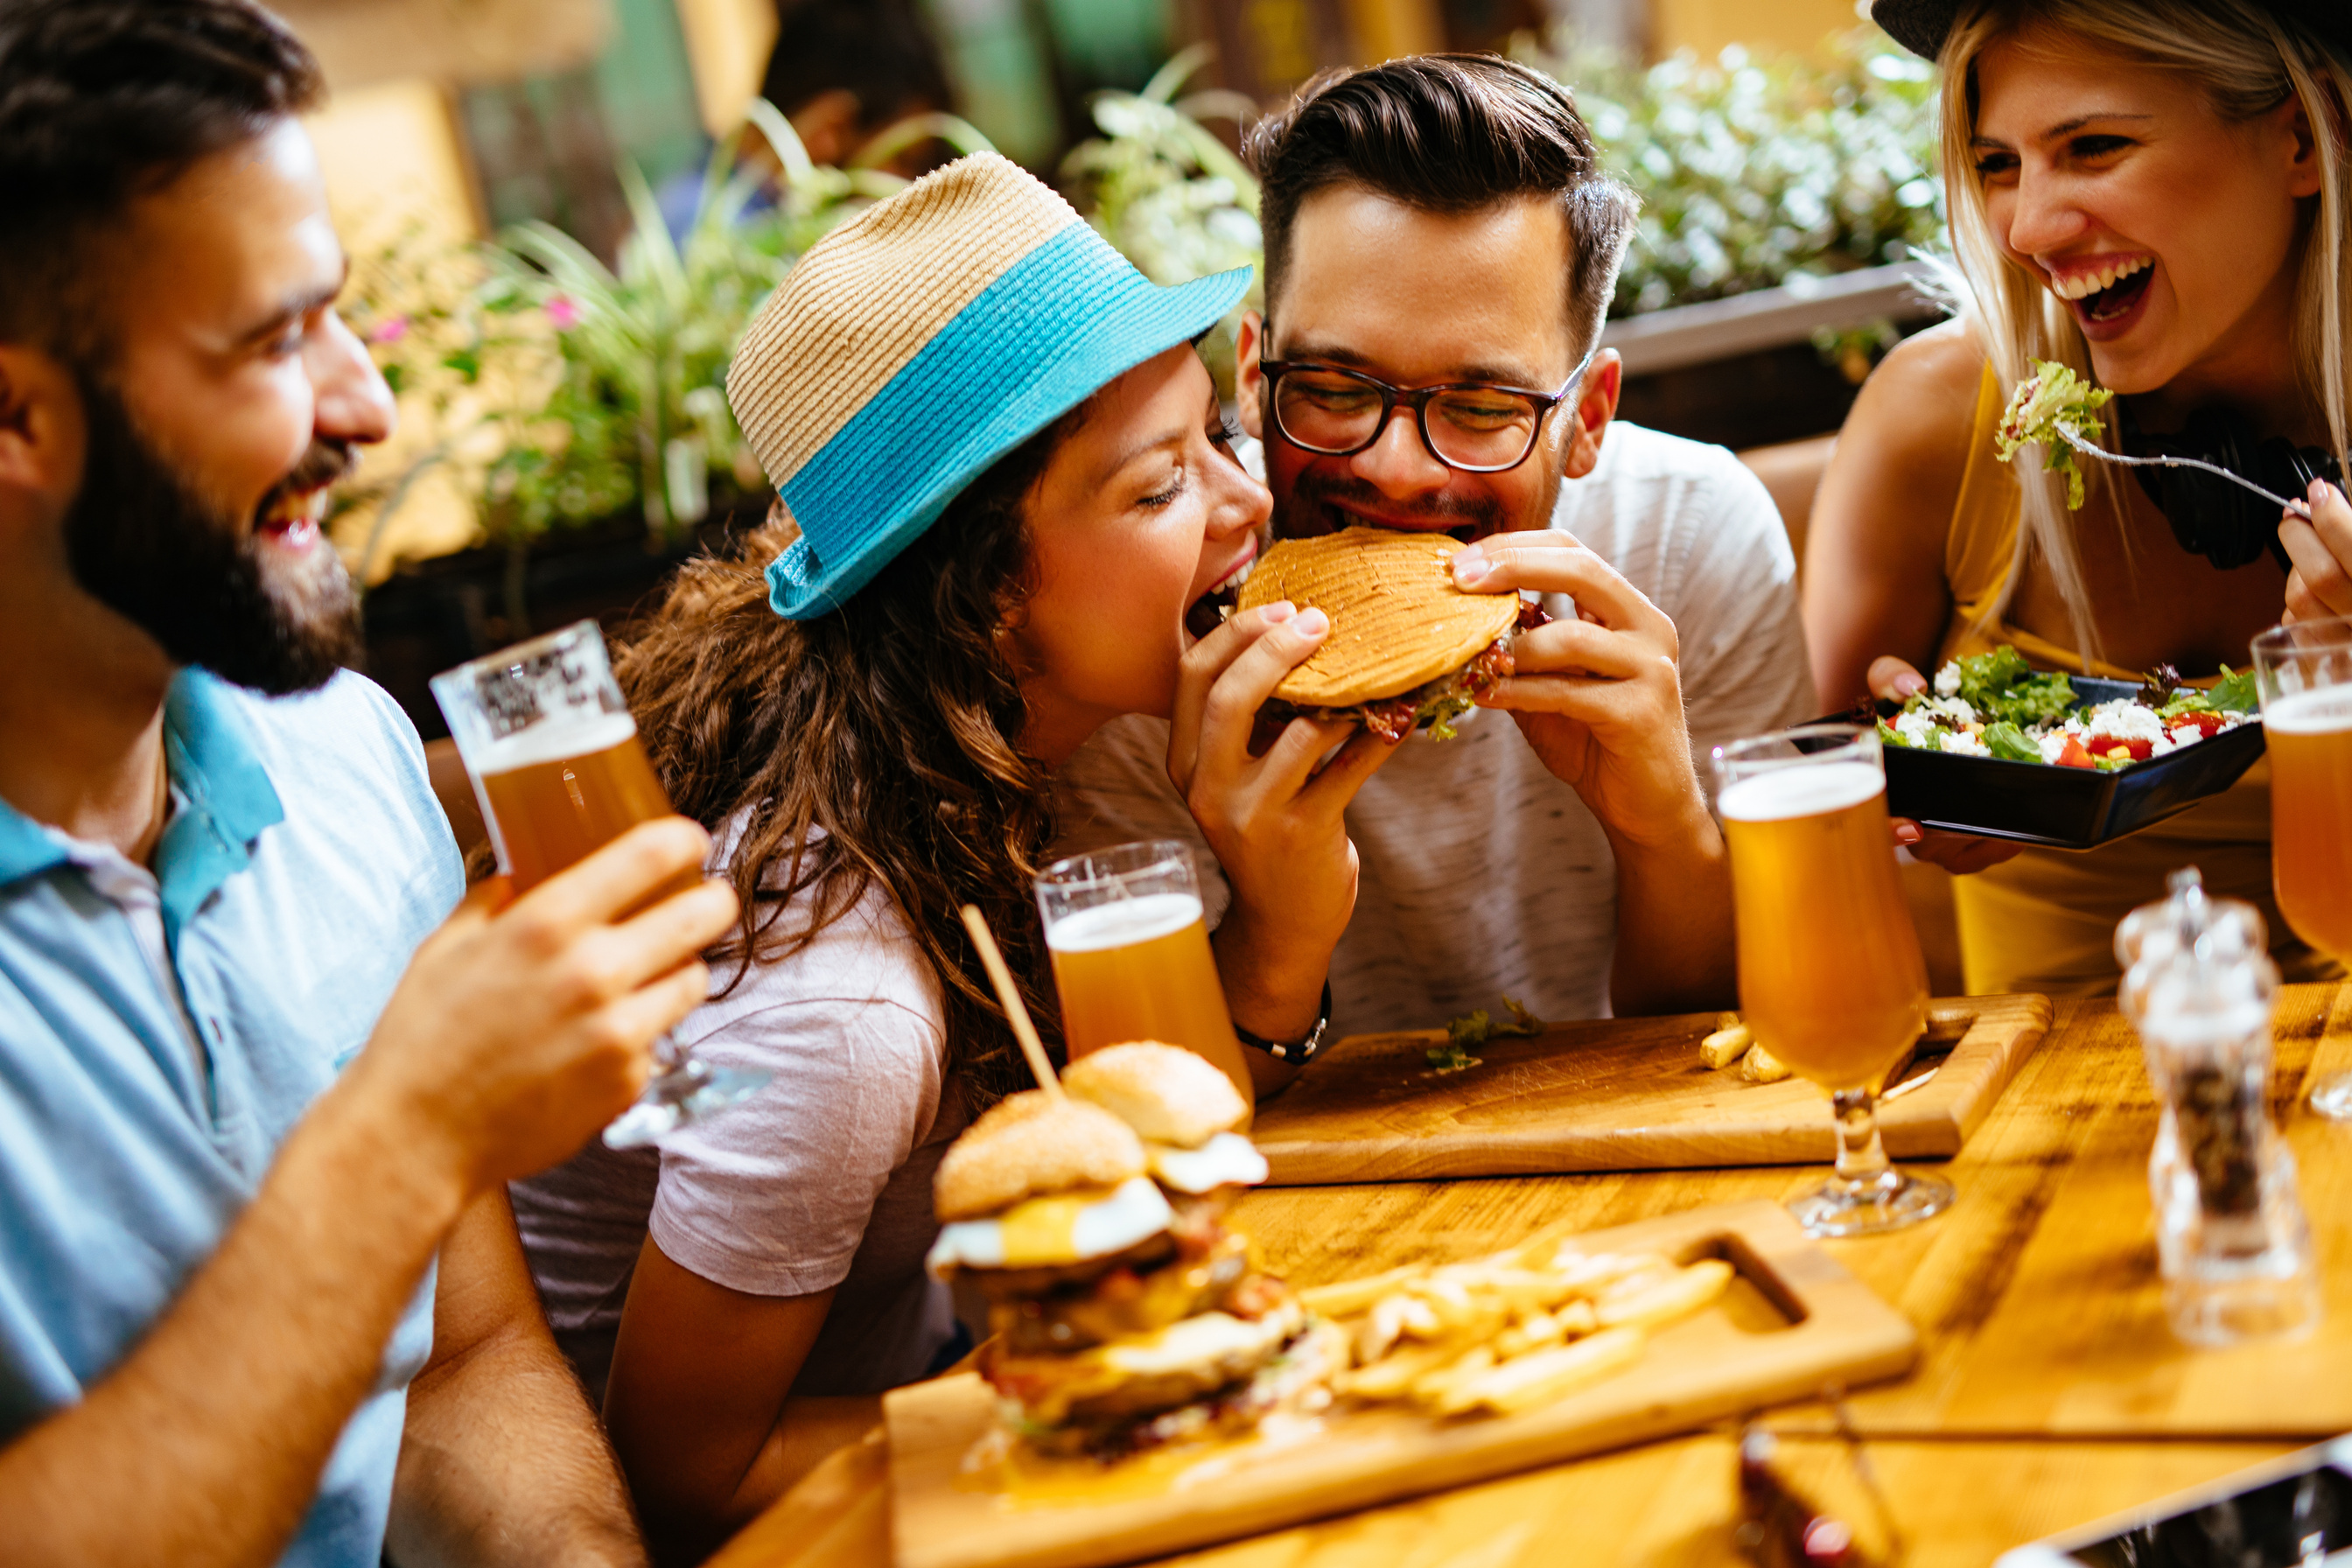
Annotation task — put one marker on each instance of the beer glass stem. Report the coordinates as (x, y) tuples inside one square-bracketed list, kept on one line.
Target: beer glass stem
[(1862, 1167)]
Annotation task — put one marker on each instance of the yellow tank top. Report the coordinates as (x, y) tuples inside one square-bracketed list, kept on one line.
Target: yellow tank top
[(2046, 920)]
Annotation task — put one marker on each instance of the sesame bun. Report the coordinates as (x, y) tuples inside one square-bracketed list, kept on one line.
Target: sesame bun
[(1165, 1092), (1398, 622), (1027, 1146)]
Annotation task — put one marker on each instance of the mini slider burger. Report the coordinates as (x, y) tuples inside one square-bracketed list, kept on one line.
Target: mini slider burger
[(1125, 1314), (1408, 648)]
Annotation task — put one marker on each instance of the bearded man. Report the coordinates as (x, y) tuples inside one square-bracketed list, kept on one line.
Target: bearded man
[(238, 1126), (1443, 222)]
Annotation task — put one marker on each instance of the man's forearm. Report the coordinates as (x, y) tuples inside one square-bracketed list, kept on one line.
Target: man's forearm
[(205, 1444), (1675, 952)]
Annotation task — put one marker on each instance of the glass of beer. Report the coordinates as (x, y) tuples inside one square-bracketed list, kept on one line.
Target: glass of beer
[(1830, 978), (2303, 672), (1130, 950), (555, 763)]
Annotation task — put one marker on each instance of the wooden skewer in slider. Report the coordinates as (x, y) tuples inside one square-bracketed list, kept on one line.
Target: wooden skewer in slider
[(1009, 994)]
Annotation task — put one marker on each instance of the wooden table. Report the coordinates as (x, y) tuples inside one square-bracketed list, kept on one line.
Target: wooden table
[(2049, 1391)]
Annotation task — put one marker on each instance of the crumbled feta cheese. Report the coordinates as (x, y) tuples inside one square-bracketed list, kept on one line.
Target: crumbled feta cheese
[(1960, 741), (1917, 729), (1950, 708), (2171, 742), (2053, 744), (1947, 679), (2125, 720)]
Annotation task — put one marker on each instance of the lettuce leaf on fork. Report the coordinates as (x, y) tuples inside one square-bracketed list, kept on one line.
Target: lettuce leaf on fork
[(2047, 405)]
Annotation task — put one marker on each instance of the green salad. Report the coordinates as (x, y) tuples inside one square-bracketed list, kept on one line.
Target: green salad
[(2047, 405), (1996, 705)]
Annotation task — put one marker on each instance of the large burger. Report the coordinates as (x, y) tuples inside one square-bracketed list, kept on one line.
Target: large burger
[(1124, 1313), (1408, 648)]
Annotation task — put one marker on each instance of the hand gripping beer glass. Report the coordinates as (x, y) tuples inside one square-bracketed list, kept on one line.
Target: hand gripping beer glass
[(1831, 979), (554, 759), (2303, 672), (1131, 958)]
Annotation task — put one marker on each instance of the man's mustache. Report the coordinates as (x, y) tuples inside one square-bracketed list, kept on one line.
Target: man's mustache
[(325, 463), (1458, 515)]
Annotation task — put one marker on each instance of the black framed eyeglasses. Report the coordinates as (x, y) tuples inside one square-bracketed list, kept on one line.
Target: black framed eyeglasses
[(1473, 426)]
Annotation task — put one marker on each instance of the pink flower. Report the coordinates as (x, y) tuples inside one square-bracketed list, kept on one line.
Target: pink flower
[(564, 312), (390, 329)]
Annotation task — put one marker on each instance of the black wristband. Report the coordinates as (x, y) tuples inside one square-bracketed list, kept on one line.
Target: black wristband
[(1297, 1052)]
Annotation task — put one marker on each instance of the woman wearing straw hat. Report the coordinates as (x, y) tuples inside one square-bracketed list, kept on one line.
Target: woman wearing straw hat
[(1007, 483), (2159, 193)]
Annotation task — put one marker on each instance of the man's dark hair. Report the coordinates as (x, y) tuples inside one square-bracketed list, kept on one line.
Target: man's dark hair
[(1446, 133), (875, 50), (102, 102)]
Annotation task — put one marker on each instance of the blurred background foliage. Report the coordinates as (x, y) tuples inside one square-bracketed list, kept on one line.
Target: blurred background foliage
[(572, 371), (1753, 170)]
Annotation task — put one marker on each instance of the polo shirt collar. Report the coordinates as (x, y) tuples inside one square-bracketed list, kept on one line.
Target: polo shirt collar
[(211, 756), (228, 799)]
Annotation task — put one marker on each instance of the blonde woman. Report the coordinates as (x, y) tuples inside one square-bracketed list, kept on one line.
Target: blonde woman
[(2157, 193)]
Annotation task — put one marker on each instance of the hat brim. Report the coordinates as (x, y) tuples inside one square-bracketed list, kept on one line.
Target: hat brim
[(1107, 324)]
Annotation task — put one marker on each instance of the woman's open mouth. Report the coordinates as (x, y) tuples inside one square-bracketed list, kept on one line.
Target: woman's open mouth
[(1210, 610), (2104, 296)]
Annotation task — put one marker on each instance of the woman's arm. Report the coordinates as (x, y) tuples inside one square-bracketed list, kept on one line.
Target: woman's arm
[(1876, 598), (1874, 578), (501, 1462), (696, 1406)]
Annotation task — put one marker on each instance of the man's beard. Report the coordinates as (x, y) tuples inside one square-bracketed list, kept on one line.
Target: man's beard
[(1308, 509), (141, 542)]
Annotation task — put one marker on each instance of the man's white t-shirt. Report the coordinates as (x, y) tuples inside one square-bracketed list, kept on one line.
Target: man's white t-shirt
[(1483, 875)]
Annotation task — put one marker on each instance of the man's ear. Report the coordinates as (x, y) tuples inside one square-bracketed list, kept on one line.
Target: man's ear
[(41, 428), (1596, 405), (1249, 382)]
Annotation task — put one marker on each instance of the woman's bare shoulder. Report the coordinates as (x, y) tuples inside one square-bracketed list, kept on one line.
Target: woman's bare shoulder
[(1925, 385)]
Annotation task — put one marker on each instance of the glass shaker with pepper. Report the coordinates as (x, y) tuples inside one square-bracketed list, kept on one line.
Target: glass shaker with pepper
[(2234, 1247)]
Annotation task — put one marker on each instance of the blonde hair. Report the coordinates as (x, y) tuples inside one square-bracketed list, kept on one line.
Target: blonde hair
[(2248, 63)]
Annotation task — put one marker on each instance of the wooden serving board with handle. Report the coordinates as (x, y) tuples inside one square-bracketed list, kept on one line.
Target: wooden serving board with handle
[(1625, 1094), (1793, 1321)]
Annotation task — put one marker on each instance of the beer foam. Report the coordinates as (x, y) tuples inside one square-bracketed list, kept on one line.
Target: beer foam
[(1123, 922), (1799, 791), (554, 742), (2319, 713)]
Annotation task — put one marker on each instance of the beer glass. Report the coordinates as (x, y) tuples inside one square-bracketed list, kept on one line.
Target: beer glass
[(553, 757), (2303, 672), (1130, 952), (1830, 978)]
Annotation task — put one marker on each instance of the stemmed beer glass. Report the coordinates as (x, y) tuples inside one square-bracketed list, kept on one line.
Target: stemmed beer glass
[(2303, 672), (1830, 978), (554, 759)]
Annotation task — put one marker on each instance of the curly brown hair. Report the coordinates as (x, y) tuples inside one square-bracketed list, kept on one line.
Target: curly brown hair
[(876, 745)]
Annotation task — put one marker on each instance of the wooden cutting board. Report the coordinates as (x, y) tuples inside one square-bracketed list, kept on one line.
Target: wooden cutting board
[(1792, 1321), (1627, 1094)]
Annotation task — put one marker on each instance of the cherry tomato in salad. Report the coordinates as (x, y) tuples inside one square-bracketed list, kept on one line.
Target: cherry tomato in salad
[(2073, 755)]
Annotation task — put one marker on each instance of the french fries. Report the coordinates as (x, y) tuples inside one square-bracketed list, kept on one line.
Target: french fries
[(1725, 1047), (1510, 1332)]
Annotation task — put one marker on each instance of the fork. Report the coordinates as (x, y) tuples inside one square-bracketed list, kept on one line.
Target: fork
[(2296, 507)]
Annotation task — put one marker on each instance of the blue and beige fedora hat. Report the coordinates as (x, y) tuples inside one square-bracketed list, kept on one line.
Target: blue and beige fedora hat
[(918, 343)]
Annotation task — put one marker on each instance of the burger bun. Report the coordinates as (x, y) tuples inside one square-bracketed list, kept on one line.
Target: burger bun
[(1167, 1094), (1028, 1145)]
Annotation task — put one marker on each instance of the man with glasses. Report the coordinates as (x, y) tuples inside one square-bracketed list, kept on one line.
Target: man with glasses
[(1440, 246)]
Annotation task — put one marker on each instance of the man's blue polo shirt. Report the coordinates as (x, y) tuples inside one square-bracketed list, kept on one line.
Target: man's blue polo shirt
[(307, 859)]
